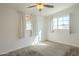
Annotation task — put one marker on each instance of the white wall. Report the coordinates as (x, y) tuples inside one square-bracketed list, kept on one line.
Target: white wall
[(0, 27), (63, 36), (34, 29), (75, 20), (41, 26), (8, 31)]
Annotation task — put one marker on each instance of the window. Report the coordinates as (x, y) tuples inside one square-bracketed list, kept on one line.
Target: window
[(28, 23), (61, 22), (55, 23)]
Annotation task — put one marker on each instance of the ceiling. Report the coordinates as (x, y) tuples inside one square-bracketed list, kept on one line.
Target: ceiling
[(46, 11)]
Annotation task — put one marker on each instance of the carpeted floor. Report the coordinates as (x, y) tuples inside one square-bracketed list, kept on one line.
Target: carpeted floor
[(46, 49)]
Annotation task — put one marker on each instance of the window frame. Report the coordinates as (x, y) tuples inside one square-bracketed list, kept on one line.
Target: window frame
[(62, 21), (28, 23)]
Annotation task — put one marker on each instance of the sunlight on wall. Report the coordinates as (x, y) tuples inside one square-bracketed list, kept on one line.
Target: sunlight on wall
[(37, 38)]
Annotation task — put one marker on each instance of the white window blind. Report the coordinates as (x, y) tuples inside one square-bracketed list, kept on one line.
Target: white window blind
[(61, 22), (28, 23)]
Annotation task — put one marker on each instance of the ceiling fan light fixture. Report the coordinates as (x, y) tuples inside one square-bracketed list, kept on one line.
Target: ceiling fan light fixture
[(40, 7)]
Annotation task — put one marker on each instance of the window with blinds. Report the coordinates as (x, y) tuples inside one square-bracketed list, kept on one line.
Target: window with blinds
[(61, 22)]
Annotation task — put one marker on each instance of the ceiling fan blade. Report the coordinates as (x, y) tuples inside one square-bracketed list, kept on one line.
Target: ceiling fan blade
[(50, 6), (31, 6)]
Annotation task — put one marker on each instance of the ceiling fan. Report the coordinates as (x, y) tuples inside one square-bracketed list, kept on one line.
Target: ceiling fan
[(41, 6)]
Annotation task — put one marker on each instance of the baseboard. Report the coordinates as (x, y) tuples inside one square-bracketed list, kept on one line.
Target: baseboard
[(62, 43)]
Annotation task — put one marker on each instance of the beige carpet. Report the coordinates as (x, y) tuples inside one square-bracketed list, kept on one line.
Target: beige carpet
[(23, 52), (46, 49)]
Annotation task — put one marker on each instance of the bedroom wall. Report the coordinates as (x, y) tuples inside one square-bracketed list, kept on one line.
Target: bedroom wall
[(40, 26), (63, 36), (43, 26), (8, 31), (0, 27)]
